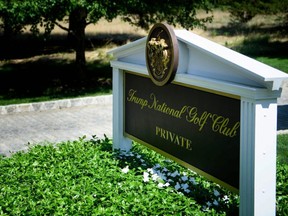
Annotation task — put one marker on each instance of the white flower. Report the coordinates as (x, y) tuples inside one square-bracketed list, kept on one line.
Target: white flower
[(161, 185), (138, 156), (177, 186), (225, 198), (184, 178), (150, 170), (125, 169), (174, 174), (187, 190), (155, 177), (216, 193), (184, 186), (145, 177), (209, 204), (157, 166), (193, 181), (166, 184), (162, 176), (165, 169), (215, 203)]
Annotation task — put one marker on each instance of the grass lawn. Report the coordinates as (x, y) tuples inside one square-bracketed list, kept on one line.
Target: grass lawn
[(85, 177), (279, 63)]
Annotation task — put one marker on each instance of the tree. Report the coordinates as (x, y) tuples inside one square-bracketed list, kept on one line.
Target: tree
[(81, 13), (14, 16), (243, 11)]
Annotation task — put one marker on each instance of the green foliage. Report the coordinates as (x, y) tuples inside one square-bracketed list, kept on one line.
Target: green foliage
[(279, 63), (48, 13), (244, 10), (82, 177), (282, 148), (87, 177), (282, 177), (145, 13), (14, 16), (282, 190)]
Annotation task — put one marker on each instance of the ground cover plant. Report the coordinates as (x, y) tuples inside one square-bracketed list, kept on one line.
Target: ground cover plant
[(86, 177)]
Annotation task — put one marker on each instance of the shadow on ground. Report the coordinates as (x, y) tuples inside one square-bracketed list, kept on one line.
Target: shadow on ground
[(263, 46), (28, 71), (260, 40), (46, 79), (27, 45)]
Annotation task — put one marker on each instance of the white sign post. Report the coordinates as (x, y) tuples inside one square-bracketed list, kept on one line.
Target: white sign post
[(205, 64)]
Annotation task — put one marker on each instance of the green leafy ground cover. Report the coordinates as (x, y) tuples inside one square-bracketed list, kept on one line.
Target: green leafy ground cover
[(86, 177)]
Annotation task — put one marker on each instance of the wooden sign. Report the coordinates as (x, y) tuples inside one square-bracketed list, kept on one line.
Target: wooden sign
[(216, 113), (198, 129)]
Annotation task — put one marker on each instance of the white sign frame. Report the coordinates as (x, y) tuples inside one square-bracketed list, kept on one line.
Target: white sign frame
[(205, 64)]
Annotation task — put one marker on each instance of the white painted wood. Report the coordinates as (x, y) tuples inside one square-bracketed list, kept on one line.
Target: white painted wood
[(201, 64), (205, 64), (249, 67), (208, 83), (258, 157), (129, 67), (199, 56), (128, 49), (119, 141)]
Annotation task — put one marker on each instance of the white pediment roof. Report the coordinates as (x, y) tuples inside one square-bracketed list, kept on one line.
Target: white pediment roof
[(203, 58)]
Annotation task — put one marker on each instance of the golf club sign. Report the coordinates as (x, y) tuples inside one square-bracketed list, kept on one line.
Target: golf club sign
[(195, 127), (198, 129), (203, 105)]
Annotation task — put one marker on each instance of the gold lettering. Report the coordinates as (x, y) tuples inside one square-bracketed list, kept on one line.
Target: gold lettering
[(188, 145), (192, 114), (137, 100), (157, 131), (220, 125), (164, 108), (193, 117), (234, 129), (174, 138)]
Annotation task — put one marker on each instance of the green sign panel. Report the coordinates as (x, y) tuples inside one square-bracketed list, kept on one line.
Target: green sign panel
[(197, 128)]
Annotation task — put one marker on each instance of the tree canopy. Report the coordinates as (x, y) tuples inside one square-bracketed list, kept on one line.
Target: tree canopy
[(16, 14), (243, 11)]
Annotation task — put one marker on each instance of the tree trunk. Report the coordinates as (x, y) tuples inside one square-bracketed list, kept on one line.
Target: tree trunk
[(77, 25)]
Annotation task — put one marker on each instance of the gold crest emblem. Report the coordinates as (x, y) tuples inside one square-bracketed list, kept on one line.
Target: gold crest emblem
[(162, 54)]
